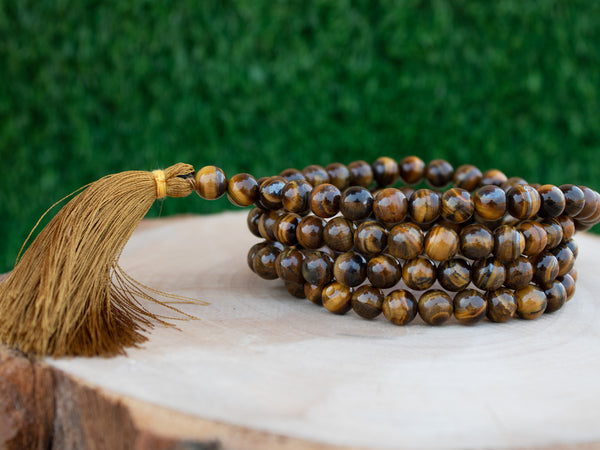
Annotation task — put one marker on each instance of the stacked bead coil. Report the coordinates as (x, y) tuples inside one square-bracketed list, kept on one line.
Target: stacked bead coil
[(340, 236)]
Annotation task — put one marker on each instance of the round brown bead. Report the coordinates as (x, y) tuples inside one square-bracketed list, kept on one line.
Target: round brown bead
[(295, 289), (454, 274), (424, 206), (367, 301), (591, 202), (556, 296), (356, 203), (285, 229), (565, 258), (574, 199), (317, 268), (242, 189), (292, 174), (266, 224), (439, 173), (390, 205), (399, 307), (490, 202), (545, 268), (264, 262), (573, 247), (339, 234), (535, 236), (315, 175), (553, 201), (509, 243), (252, 252), (370, 238), (467, 177), (501, 305), (568, 227), (339, 175), (554, 232), (310, 232), (469, 306), (296, 196), (405, 241), (512, 182), (435, 307), (325, 200), (419, 274), (350, 269), (408, 191), (488, 274), (252, 221), (361, 173), (289, 265), (313, 293), (493, 176), (531, 302), (569, 284), (519, 273), (476, 241), (385, 171), (523, 201), (270, 193), (441, 243), (412, 169), (211, 182), (383, 271), (337, 298), (457, 206)]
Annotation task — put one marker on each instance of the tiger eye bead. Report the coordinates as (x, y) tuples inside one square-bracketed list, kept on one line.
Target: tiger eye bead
[(356, 203), (405, 241), (310, 232), (519, 273), (531, 302), (545, 268), (501, 305), (400, 307), (383, 271), (350, 269), (512, 182), (264, 262), (574, 199), (493, 176), (285, 229), (315, 175), (211, 182), (412, 169), (439, 173), (419, 274), (509, 243), (242, 189), (467, 177), (454, 274), (457, 206), (569, 284), (385, 171), (441, 243), (535, 236), (554, 232), (488, 274), (339, 234), (469, 306), (490, 202), (291, 175), (556, 296), (476, 241), (553, 201), (424, 206), (523, 201), (565, 258), (370, 238), (361, 174), (295, 289), (289, 265), (296, 196), (317, 268), (339, 175), (313, 293), (568, 227), (252, 221), (252, 252), (590, 203), (390, 205), (266, 224), (270, 193), (325, 200), (408, 191), (573, 247), (337, 298), (367, 301), (435, 307)]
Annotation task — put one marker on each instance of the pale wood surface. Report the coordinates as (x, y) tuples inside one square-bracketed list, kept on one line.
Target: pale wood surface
[(261, 360)]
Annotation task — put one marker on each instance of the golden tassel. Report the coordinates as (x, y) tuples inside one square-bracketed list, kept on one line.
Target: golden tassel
[(67, 295)]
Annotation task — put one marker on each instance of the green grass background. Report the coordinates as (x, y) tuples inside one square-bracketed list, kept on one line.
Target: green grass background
[(90, 88)]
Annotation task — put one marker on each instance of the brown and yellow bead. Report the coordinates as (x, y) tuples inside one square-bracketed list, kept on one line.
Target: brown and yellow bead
[(367, 301), (400, 307), (337, 298), (469, 306), (435, 307)]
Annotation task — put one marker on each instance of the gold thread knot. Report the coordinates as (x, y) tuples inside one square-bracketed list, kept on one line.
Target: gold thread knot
[(161, 184)]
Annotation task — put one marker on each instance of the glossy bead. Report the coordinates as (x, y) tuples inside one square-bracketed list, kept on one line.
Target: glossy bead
[(313, 293), (493, 176), (270, 193), (285, 229), (501, 305), (467, 177), (568, 227), (370, 238), (266, 224), (339, 234), (310, 232), (400, 307), (457, 206), (385, 171), (350, 269), (242, 189), (337, 298), (490, 202), (317, 268), (325, 200), (476, 241), (556, 296), (509, 243), (469, 306), (531, 302), (296, 196), (590, 203), (439, 173), (315, 175), (535, 236), (356, 203), (289, 265), (367, 301), (383, 271), (419, 274), (523, 201), (435, 307), (573, 247), (405, 241), (553, 201), (565, 258), (252, 252), (408, 191), (454, 274), (554, 232), (295, 289), (264, 262), (339, 175), (573, 274), (292, 174), (412, 169), (425, 206), (390, 205), (512, 182), (488, 274), (545, 267), (211, 182), (441, 243), (519, 273), (361, 173), (569, 284), (252, 221), (574, 199)]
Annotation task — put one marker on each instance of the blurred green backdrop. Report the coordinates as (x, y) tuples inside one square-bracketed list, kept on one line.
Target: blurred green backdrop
[(89, 88)]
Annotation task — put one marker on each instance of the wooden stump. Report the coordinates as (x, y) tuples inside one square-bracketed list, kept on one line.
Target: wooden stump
[(261, 369)]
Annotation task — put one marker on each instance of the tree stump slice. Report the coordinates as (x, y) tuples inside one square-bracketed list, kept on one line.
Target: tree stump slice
[(262, 369)]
